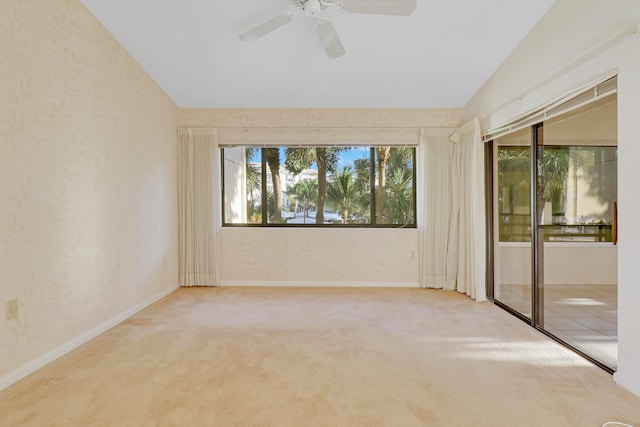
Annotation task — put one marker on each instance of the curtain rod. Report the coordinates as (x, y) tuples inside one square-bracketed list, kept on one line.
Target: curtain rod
[(634, 29)]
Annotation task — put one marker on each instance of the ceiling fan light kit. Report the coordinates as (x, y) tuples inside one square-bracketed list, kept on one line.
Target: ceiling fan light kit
[(325, 29)]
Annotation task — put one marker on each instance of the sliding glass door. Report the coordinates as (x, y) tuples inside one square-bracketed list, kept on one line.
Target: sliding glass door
[(512, 204), (578, 204), (560, 274)]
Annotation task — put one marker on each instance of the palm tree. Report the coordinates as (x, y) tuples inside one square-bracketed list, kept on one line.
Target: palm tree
[(273, 159), (553, 173), (514, 177), (552, 180), (400, 198), (326, 158), (304, 192), (343, 193), (389, 160), (382, 155), (400, 158), (362, 170)]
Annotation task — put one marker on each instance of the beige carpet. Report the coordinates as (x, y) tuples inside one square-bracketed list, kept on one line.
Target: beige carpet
[(319, 357)]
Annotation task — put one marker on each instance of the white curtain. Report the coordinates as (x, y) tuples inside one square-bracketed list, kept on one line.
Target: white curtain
[(453, 223), (436, 207), (468, 170), (198, 207)]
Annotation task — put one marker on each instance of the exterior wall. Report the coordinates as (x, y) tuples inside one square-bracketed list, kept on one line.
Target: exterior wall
[(575, 34), (235, 195), (88, 225), (310, 256)]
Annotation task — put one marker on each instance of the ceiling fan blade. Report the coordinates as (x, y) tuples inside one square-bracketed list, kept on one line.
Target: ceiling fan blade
[(267, 27), (380, 7), (330, 40)]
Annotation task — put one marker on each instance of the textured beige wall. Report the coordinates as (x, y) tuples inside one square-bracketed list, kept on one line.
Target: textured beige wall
[(88, 179), (322, 117), (310, 256), (320, 257)]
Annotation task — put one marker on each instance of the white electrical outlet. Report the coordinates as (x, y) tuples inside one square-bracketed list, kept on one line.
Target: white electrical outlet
[(12, 309)]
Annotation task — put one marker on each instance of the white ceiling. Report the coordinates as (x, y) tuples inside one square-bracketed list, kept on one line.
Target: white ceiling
[(436, 58)]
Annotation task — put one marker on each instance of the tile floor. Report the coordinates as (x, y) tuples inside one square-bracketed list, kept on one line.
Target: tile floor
[(585, 317)]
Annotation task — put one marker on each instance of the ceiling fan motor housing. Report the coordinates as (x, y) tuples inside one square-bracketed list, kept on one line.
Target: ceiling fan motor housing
[(312, 8)]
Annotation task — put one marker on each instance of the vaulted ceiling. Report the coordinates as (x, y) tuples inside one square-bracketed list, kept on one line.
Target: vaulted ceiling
[(438, 57)]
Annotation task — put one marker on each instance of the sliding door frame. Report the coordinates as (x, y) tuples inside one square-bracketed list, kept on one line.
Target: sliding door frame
[(537, 241), (537, 230)]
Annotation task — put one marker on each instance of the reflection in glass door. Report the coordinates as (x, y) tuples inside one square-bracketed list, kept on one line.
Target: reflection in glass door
[(578, 194), (512, 222)]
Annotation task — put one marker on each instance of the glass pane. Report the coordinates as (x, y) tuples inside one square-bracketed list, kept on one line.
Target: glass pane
[(579, 173), (276, 185), (305, 171), (349, 189), (514, 192), (242, 185), (512, 270), (580, 188), (394, 192)]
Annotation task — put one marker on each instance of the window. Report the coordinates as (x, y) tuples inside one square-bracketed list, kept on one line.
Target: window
[(578, 192), (319, 186)]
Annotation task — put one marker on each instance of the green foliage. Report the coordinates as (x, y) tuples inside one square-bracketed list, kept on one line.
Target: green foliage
[(400, 158), (298, 159), (394, 193), (326, 158), (254, 179), (362, 169), (343, 193), (304, 193), (349, 191), (400, 198), (553, 171)]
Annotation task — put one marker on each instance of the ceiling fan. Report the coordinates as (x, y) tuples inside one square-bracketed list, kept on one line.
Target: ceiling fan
[(326, 32)]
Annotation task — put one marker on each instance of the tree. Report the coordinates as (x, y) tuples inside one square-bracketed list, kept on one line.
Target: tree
[(362, 170), (304, 192), (556, 162), (400, 158), (382, 155), (514, 178), (343, 193), (552, 181), (326, 158), (400, 198), (273, 160), (391, 162), (553, 173)]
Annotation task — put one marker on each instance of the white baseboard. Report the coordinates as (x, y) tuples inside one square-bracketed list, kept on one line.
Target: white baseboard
[(285, 284), (33, 365)]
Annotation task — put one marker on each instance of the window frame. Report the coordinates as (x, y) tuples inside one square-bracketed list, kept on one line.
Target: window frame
[(373, 190)]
